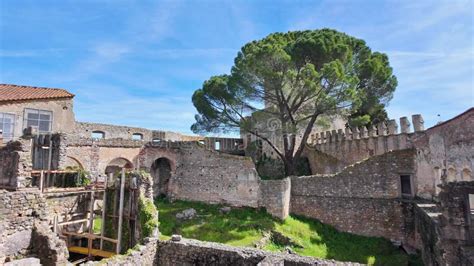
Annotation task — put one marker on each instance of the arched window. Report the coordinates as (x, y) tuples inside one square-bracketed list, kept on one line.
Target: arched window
[(451, 174), (137, 136), (96, 134), (466, 174)]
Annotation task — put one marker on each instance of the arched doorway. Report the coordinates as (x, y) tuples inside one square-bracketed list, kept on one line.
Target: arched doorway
[(117, 164), (161, 173)]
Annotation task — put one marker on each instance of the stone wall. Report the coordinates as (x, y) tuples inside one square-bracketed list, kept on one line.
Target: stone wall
[(445, 151), (15, 164), (275, 197), (364, 198), (331, 151), (200, 174), (47, 246), (445, 230), (269, 126), (94, 155), (63, 205), (428, 232), (84, 130), (18, 212), (456, 221), (322, 163), (193, 252)]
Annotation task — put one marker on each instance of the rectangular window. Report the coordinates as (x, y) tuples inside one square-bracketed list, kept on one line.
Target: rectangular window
[(405, 181), (7, 126), (98, 135), (40, 119), (137, 136)]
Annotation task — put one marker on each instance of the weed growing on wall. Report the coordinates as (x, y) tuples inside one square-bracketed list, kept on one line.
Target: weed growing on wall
[(148, 217)]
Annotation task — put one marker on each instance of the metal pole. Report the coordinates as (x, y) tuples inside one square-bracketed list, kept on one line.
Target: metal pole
[(104, 204), (122, 187)]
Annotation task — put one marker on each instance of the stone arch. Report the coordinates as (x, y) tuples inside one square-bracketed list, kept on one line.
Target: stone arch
[(161, 170), (117, 164), (466, 174), (73, 162)]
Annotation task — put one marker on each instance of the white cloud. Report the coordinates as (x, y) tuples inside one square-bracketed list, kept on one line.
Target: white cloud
[(110, 51), (31, 52)]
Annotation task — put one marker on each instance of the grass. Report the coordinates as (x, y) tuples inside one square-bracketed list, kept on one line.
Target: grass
[(246, 226), (97, 225)]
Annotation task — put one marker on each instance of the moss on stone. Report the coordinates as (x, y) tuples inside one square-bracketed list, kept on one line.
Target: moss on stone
[(148, 216)]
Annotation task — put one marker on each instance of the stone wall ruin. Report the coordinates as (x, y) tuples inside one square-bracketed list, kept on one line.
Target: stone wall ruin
[(364, 198)]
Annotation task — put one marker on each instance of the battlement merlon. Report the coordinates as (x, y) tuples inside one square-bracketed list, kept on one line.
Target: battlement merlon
[(387, 128)]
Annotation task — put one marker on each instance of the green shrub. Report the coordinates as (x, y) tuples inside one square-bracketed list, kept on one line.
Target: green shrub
[(83, 178)]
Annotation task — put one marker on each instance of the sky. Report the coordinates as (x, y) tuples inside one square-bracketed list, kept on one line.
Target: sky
[(138, 63)]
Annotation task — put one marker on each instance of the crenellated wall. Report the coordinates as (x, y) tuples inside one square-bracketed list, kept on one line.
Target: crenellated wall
[(348, 146), (445, 151)]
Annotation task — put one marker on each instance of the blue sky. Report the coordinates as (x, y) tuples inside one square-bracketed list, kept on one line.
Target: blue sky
[(137, 63)]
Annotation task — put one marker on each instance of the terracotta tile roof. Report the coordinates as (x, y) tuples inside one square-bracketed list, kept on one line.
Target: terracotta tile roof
[(10, 92)]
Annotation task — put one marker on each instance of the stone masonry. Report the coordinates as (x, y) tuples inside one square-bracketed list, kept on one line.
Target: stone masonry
[(363, 199), (193, 252)]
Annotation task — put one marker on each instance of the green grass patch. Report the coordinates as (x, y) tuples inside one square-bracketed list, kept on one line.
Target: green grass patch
[(246, 226), (97, 225)]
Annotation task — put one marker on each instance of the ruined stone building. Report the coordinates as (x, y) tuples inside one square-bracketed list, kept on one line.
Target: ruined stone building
[(414, 187)]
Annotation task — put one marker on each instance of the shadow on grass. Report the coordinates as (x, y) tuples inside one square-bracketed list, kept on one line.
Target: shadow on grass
[(246, 226), (323, 239)]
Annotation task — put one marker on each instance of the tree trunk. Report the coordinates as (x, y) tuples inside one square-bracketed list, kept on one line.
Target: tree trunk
[(289, 166)]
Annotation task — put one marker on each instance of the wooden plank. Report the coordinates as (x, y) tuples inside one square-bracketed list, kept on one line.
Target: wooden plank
[(104, 205), (70, 190), (41, 181), (50, 155), (92, 236), (93, 252), (72, 222), (122, 188), (37, 172), (91, 222)]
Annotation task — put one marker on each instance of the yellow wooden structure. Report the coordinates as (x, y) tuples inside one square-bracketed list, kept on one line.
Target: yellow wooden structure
[(93, 252)]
